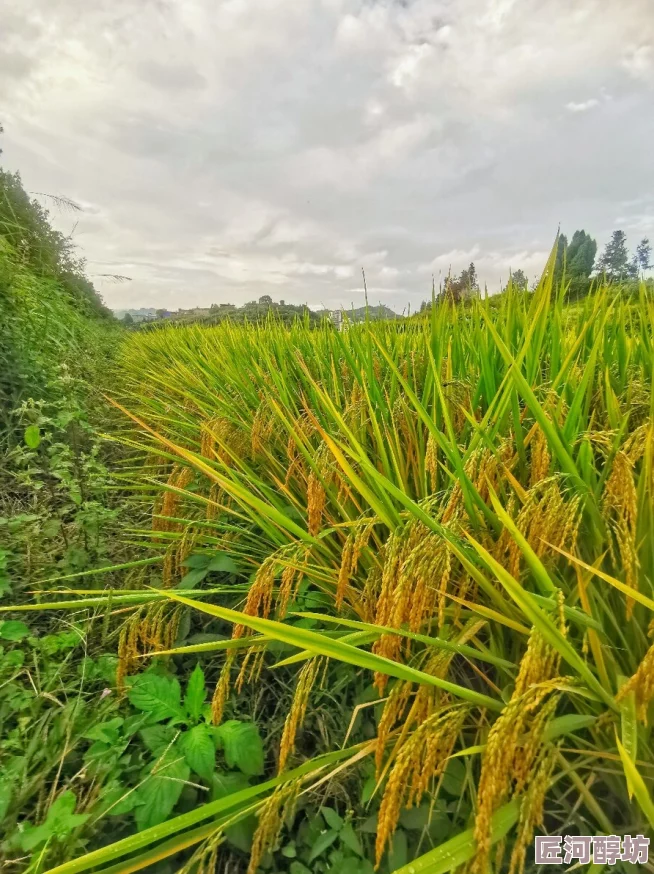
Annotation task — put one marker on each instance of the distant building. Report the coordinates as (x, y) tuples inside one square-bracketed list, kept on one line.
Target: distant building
[(337, 319)]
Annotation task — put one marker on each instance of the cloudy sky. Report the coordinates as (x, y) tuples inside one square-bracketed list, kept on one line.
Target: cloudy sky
[(224, 150)]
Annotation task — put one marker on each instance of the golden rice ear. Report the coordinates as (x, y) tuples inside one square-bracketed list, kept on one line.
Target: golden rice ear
[(531, 808), (431, 461), (169, 563), (205, 859), (263, 427), (251, 667), (223, 686), (185, 547), (277, 808), (216, 499), (295, 717), (345, 571), (260, 593), (641, 684), (316, 500), (540, 456), (179, 478), (393, 712), (620, 510), (420, 759), (515, 738)]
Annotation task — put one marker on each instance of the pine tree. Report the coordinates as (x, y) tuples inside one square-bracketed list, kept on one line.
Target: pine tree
[(519, 280), (615, 263), (643, 254)]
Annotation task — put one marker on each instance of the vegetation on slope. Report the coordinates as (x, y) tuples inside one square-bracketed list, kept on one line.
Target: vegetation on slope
[(59, 514)]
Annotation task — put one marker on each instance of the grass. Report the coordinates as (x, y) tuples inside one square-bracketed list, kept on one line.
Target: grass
[(458, 510)]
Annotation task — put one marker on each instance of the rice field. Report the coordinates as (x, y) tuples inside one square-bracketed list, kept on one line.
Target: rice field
[(455, 512)]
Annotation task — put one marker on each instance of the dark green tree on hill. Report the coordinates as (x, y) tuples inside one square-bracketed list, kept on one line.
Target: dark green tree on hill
[(463, 286), (574, 262), (580, 256), (644, 254), (519, 280), (615, 262)]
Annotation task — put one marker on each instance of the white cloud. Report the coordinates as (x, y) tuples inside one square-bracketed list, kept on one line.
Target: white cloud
[(639, 62), (221, 147), (584, 106)]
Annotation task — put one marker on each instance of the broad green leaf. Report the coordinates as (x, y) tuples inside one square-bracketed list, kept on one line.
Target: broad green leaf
[(199, 751), (540, 574), (5, 797), (325, 840), (398, 850), (161, 790), (60, 821), (12, 629), (242, 746), (119, 801), (241, 833), (223, 563), (197, 561), (332, 819), (32, 436), (192, 578), (158, 737), (196, 693), (567, 724), (299, 868), (157, 695), (348, 836), (107, 732), (225, 783), (453, 777)]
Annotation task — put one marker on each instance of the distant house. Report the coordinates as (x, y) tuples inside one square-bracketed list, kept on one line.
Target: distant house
[(337, 319)]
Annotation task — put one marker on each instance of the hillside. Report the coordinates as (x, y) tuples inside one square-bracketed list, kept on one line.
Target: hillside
[(51, 318), (372, 313)]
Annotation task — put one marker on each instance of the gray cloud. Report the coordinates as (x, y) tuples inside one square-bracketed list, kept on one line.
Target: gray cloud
[(223, 151)]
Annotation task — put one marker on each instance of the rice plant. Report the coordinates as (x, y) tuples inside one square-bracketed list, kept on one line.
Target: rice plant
[(471, 497)]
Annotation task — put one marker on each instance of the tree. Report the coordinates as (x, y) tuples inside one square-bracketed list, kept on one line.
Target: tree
[(128, 319), (574, 262), (580, 256), (464, 286), (643, 254), (579, 262), (559, 264), (161, 314), (519, 280), (615, 263), (265, 300), (451, 290), (470, 276)]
